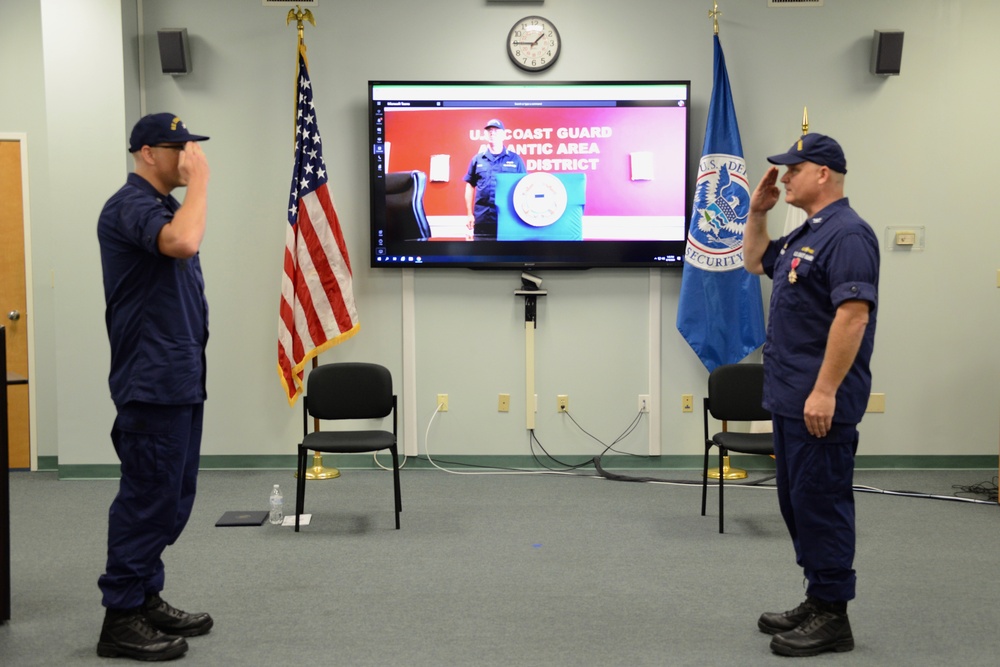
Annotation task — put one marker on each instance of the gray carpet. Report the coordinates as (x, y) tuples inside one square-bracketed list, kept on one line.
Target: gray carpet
[(511, 570)]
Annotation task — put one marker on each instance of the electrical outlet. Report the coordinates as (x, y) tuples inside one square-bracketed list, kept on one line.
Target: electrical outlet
[(643, 402), (442, 403), (503, 403), (562, 403), (687, 402), (876, 403)]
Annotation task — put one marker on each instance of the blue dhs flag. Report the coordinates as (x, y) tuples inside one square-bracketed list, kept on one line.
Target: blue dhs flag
[(720, 313)]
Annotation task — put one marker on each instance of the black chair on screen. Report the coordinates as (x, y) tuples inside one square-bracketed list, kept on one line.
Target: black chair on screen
[(349, 390), (404, 205), (735, 393)]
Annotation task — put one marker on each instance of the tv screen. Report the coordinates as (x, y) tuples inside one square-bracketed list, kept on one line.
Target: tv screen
[(526, 175)]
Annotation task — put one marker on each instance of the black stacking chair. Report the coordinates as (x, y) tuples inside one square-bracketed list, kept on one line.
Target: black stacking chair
[(735, 392), (349, 390)]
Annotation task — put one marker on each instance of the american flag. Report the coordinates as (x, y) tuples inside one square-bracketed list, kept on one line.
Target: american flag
[(317, 297)]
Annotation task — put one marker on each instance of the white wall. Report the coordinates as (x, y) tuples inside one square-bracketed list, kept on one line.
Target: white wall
[(919, 146)]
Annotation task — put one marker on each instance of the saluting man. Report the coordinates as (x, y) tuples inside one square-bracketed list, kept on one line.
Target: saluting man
[(817, 379)]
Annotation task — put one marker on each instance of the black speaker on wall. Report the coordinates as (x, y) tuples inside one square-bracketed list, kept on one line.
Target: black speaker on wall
[(175, 55), (887, 52)]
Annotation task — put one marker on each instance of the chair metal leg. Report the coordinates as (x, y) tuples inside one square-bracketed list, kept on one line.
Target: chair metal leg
[(300, 486), (395, 483), (704, 479), (722, 485)]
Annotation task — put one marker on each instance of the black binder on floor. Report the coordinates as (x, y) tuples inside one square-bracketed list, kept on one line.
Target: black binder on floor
[(242, 519)]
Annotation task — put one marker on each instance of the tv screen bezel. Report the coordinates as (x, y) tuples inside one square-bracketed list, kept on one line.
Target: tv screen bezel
[(491, 254)]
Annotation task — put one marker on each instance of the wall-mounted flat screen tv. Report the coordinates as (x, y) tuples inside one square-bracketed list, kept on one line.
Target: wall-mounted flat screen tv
[(529, 175)]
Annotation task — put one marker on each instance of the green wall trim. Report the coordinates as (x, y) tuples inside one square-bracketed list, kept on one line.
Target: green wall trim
[(461, 462), (48, 463)]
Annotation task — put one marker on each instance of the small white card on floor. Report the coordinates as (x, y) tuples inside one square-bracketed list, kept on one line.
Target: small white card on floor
[(290, 520)]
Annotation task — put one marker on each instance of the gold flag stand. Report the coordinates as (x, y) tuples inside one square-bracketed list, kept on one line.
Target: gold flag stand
[(317, 471), (726, 472)]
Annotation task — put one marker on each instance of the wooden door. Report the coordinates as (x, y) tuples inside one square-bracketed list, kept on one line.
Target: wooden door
[(13, 298)]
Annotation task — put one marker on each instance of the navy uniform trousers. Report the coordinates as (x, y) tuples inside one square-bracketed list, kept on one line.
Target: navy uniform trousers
[(159, 447), (815, 478)]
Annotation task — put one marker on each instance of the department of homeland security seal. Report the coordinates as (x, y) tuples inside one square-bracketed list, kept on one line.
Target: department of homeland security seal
[(721, 207)]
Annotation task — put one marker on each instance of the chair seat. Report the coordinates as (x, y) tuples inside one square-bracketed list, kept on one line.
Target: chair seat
[(746, 443), (348, 441)]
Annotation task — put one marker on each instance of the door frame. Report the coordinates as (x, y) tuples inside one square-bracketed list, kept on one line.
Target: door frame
[(22, 139)]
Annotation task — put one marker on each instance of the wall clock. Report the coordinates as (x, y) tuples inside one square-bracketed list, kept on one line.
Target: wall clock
[(533, 43)]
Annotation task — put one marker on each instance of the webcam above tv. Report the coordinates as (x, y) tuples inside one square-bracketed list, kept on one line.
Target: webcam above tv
[(529, 175)]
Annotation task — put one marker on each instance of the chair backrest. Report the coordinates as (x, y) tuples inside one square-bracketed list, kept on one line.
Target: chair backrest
[(349, 390), (735, 393), (404, 205)]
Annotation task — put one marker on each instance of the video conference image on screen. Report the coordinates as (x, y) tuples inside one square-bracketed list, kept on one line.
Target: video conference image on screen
[(562, 175)]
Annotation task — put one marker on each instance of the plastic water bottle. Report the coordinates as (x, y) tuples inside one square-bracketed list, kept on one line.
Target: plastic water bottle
[(277, 506)]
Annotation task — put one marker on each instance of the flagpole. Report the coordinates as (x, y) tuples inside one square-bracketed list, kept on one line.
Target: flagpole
[(317, 471), (795, 216), (726, 471)]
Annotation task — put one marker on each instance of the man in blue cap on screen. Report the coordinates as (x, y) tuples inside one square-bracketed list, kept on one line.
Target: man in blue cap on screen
[(157, 320), (817, 379), (481, 181)]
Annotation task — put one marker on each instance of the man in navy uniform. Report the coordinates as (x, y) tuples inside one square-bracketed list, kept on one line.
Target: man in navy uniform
[(157, 320), (481, 181), (817, 379)]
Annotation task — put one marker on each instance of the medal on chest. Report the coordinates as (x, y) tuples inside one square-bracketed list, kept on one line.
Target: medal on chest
[(792, 275)]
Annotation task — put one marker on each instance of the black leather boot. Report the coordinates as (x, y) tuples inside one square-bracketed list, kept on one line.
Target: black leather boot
[(128, 634), (773, 622), (165, 618), (825, 630)]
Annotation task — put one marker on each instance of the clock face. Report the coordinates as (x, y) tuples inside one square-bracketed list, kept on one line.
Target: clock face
[(533, 43)]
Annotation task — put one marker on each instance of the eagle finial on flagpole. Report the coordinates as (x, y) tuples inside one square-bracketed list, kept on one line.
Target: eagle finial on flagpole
[(714, 14), (300, 16)]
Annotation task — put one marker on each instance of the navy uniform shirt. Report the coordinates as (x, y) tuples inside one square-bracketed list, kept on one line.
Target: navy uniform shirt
[(156, 315), (836, 258), (482, 175)]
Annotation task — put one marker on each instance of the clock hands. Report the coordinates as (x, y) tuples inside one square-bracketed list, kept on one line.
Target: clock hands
[(537, 39)]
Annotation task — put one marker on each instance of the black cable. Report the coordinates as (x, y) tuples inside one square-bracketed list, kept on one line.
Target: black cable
[(533, 438), (627, 432), (988, 489), (628, 478)]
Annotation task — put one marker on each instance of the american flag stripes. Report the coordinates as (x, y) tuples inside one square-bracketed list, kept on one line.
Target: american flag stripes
[(317, 297)]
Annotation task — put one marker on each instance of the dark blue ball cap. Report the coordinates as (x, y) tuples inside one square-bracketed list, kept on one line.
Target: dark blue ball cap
[(494, 122), (160, 128), (817, 148)]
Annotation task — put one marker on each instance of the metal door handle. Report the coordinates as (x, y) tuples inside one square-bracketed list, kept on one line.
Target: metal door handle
[(13, 316)]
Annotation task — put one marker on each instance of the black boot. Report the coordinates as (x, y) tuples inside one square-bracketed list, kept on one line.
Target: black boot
[(127, 633), (827, 629), (165, 618), (773, 622)]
